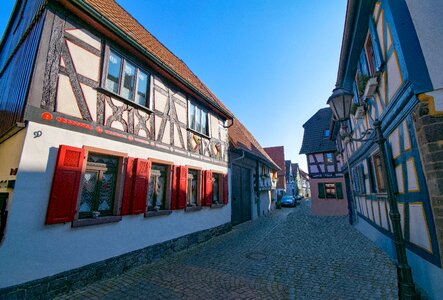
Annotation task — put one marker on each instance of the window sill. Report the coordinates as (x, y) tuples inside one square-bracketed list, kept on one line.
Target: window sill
[(218, 205), (126, 101), (192, 208), (199, 133), (101, 220), (154, 213)]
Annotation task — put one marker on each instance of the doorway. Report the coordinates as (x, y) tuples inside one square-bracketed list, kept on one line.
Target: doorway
[(241, 194)]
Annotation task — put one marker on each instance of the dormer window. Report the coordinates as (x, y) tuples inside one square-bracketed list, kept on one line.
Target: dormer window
[(126, 79), (198, 119), (326, 133)]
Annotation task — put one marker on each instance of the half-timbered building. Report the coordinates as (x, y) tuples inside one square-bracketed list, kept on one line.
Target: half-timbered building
[(327, 185), (110, 147), (390, 60)]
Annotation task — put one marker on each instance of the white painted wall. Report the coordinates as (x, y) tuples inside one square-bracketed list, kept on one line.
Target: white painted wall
[(10, 152), (33, 250), (426, 16)]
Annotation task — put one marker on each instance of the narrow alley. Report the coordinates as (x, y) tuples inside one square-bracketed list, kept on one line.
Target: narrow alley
[(288, 254)]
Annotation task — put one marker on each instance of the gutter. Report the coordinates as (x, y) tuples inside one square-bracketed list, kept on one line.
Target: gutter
[(90, 10), (238, 158)]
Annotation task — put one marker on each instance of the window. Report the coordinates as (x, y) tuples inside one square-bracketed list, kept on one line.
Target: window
[(98, 186), (379, 173), (326, 133), (127, 80), (85, 186), (370, 55), (158, 183), (329, 158), (192, 194), (330, 190), (198, 119), (3, 214), (216, 188)]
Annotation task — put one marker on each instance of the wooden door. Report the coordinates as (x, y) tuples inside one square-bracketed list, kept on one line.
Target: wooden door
[(241, 195)]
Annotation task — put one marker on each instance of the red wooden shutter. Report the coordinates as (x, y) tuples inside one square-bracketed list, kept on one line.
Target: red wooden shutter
[(140, 189), (207, 183), (127, 189), (65, 185), (174, 188), (182, 187), (225, 189)]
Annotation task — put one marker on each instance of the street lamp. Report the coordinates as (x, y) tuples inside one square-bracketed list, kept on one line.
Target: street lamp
[(340, 103)]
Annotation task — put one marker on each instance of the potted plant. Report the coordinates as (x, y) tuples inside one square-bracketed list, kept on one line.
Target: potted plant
[(361, 84)]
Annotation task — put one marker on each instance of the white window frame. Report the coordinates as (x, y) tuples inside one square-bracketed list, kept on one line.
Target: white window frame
[(202, 111), (138, 68)]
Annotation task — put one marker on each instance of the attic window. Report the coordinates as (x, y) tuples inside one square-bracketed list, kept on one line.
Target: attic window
[(326, 133)]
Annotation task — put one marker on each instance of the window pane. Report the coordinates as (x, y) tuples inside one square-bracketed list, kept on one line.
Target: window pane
[(192, 116), (142, 88), (113, 77), (329, 158), (88, 193), (198, 120), (157, 188), (215, 188), (204, 122), (105, 202), (326, 133), (192, 188), (98, 186), (128, 81), (330, 190)]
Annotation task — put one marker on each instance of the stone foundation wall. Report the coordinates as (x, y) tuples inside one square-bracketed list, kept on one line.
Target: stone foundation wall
[(48, 287), (429, 131)]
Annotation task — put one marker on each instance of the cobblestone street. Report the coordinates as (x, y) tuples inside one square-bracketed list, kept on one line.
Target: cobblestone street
[(286, 255)]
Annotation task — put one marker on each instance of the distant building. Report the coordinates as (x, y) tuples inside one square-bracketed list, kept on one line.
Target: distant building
[(301, 179), (291, 184), (391, 59), (253, 175), (328, 189), (278, 156)]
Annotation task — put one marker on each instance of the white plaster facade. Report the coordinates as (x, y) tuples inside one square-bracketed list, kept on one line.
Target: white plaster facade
[(32, 250)]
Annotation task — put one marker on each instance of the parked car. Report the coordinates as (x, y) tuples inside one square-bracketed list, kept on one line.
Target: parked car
[(298, 198), (288, 200)]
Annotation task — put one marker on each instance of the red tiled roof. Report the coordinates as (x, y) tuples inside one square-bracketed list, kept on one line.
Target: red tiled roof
[(115, 14), (241, 138)]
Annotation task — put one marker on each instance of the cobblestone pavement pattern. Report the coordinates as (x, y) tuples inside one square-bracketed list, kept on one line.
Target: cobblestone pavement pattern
[(288, 254)]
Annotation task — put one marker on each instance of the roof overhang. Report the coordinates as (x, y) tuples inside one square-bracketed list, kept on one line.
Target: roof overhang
[(254, 156), (354, 35)]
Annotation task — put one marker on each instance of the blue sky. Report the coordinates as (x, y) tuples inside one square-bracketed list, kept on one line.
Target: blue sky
[(273, 63)]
